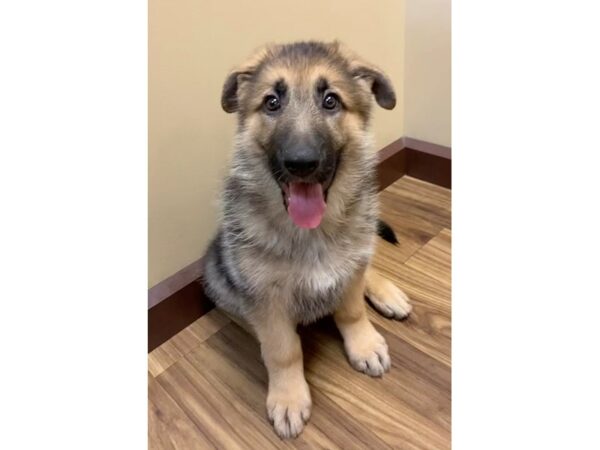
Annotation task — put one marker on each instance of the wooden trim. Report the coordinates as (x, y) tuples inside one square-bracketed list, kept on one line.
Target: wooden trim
[(389, 151), (428, 162), (428, 147), (428, 167), (174, 283), (391, 164), (179, 300), (176, 312)]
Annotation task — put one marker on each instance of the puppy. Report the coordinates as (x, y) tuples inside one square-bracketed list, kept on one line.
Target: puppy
[(300, 213)]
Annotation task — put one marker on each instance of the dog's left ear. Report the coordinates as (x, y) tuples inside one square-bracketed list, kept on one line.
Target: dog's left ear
[(381, 86)]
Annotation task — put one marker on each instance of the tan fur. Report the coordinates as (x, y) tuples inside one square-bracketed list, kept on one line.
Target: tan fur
[(385, 297), (366, 349), (288, 400)]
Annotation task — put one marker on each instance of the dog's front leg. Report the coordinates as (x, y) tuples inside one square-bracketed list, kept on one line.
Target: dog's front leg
[(288, 400), (365, 347)]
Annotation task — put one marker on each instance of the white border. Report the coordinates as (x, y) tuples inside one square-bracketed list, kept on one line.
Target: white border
[(526, 228), (73, 184)]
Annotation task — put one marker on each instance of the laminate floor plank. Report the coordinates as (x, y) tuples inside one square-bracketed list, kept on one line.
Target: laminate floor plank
[(168, 425), (434, 258), (190, 337)]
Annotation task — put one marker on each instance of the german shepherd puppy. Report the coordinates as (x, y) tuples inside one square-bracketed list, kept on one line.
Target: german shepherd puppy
[(300, 214)]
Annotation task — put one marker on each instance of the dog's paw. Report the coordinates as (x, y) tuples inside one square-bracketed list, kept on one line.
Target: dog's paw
[(368, 353), (289, 409), (389, 300)]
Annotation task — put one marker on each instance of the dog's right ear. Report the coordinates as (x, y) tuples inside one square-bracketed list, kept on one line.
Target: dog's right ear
[(235, 80), (229, 96)]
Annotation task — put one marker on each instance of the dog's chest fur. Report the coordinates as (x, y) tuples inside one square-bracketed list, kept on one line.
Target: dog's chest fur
[(260, 258), (312, 281)]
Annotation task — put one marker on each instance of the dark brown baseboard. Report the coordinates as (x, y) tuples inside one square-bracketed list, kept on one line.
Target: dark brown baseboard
[(176, 312), (179, 300), (392, 163), (428, 162)]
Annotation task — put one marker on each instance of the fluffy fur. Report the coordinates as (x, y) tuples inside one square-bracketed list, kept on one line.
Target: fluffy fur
[(260, 265)]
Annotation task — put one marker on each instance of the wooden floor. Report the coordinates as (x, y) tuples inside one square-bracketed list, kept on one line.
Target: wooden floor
[(207, 385)]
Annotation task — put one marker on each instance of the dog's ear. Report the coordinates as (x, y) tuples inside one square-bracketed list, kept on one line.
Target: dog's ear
[(380, 84), (374, 78), (236, 79), (229, 96)]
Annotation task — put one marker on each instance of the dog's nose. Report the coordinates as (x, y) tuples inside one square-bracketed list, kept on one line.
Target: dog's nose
[(301, 167), (301, 162)]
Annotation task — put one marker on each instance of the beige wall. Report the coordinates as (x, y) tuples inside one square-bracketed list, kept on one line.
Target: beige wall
[(427, 71), (192, 46)]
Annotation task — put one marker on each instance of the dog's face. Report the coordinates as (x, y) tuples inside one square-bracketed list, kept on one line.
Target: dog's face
[(302, 106)]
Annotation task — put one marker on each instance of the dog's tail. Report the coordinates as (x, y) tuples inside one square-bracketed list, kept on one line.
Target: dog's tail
[(386, 232)]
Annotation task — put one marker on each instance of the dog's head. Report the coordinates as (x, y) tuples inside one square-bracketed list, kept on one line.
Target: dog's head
[(301, 106)]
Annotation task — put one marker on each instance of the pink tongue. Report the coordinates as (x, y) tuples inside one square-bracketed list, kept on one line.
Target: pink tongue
[(306, 204)]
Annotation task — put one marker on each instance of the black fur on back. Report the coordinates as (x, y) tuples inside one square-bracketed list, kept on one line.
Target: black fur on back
[(386, 232)]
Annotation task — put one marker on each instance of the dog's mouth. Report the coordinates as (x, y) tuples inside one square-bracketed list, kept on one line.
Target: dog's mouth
[(305, 198), (305, 203)]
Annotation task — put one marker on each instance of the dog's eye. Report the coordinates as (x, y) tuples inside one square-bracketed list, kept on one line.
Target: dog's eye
[(330, 101), (272, 103)]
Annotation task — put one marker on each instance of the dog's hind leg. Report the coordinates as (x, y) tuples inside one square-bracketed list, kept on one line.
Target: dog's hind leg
[(389, 300)]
